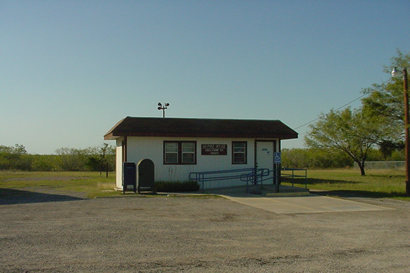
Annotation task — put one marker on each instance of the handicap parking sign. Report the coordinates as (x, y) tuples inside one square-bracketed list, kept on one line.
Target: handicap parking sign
[(276, 158)]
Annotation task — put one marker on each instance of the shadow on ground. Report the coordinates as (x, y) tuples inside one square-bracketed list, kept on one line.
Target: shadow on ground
[(311, 181), (13, 196), (342, 193), (358, 193), (259, 191)]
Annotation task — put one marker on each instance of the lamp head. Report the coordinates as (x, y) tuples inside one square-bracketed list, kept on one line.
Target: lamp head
[(159, 104), (166, 104), (394, 72)]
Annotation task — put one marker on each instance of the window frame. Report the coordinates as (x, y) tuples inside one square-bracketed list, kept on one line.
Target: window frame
[(245, 153), (173, 153), (179, 153)]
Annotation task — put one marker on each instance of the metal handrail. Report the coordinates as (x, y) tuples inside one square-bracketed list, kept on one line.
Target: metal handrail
[(207, 176), (255, 177), (293, 175), (245, 175), (255, 174)]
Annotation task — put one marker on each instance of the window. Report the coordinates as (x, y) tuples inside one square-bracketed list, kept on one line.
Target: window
[(239, 152), (179, 152), (188, 152), (171, 153)]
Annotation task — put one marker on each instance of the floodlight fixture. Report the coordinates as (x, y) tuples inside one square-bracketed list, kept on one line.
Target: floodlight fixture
[(163, 108), (394, 72)]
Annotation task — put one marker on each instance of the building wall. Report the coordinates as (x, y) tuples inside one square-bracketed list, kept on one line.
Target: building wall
[(118, 163), (139, 148)]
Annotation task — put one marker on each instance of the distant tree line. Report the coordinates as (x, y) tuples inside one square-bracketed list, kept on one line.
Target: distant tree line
[(323, 159), (100, 158)]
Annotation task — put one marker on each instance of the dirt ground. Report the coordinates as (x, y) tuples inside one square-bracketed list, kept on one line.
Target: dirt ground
[(186, 234)]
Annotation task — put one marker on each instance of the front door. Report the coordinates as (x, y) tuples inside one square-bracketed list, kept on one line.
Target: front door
[(264, 154)]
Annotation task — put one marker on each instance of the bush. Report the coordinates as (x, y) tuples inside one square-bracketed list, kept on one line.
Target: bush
[(176, 186), (397, 156), (315, 158), (322, 159), (14, 158), (43, 162)]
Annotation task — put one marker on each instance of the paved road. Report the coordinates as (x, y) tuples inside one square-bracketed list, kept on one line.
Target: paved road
[(133, 234)]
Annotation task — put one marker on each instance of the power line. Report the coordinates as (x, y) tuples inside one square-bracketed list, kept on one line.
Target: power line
[(343, 106), (350, 102)]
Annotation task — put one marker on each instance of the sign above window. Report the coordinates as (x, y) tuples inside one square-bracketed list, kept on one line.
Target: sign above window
[(214, 149)]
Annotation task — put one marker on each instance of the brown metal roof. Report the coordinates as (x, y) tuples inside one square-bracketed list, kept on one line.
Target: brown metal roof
[(190, 127)]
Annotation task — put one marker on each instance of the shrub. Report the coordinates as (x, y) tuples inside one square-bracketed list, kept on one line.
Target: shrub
[(176, 186), (43, 162), (14, 158), (314, 158)]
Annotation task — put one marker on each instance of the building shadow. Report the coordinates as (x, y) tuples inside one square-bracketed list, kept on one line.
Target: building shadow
[(259, 190), (343, 193), (13, 196), (311, 181), (359, 193)]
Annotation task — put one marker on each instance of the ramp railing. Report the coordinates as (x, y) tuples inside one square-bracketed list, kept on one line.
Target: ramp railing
[(292, 174), (248, 175), (256, 177)]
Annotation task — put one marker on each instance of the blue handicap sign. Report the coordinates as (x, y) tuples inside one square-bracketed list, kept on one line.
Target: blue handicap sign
[(277, 158)]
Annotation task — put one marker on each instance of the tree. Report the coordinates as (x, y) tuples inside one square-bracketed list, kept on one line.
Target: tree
[(101, 158), (14, 158), (71, 159), (352, 131), (386, 100), (387, 147), (315, 158)]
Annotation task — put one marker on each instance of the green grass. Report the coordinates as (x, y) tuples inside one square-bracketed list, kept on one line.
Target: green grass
[(349, 182), (91, 184), (87, 184), (342, 182)]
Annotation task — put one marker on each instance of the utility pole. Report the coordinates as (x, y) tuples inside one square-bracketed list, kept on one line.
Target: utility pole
[(406, 123)]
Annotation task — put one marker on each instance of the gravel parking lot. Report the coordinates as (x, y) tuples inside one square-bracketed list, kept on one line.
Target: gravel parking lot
[(135, 234)]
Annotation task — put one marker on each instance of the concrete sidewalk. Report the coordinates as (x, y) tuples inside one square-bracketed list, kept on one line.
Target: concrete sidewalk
[(257, 191), (304, 204)]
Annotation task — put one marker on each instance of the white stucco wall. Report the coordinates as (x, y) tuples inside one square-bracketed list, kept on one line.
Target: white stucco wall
[(139, 148), (118, 164)]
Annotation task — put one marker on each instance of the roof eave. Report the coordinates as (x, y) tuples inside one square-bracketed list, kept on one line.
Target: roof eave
[(111, 136), (114, 135)]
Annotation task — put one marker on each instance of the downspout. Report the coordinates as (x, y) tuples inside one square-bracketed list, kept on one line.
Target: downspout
[(124, 149)]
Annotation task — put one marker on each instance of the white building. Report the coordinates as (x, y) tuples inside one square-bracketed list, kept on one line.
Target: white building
[(179, 146)]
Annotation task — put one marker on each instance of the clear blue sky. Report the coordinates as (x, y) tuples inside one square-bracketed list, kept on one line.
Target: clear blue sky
[(69, 70)]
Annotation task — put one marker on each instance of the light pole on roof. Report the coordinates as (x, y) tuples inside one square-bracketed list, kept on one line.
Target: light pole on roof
[(395, 73), (163, 108)]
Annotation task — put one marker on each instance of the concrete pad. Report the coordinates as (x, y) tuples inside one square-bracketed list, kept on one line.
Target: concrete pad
[(305, 204)]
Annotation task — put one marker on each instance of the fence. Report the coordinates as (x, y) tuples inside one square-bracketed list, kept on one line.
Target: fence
[(292, 174), (382, 165)]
